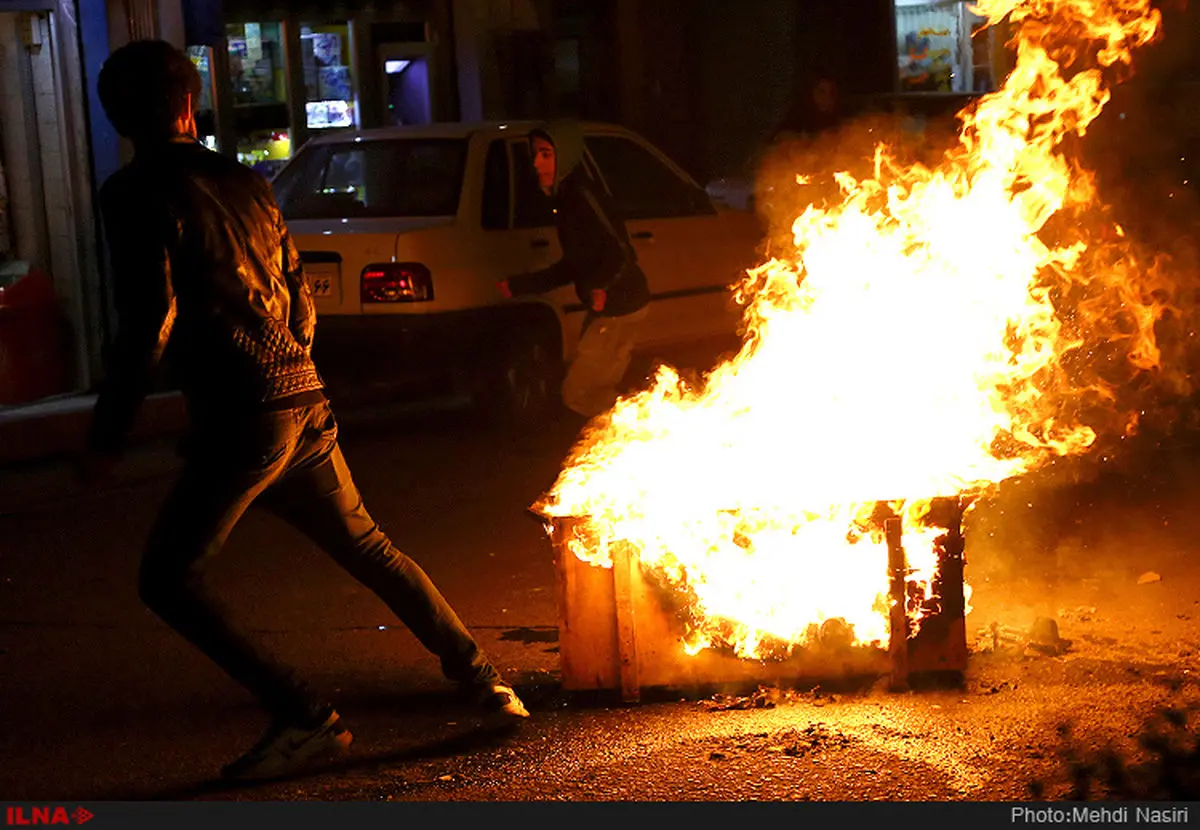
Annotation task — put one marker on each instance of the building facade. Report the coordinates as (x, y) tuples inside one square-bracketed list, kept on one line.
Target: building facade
[(706, 80), (51, 308), (276, 74)]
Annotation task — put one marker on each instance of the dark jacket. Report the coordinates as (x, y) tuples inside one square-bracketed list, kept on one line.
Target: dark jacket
[(596, 251), (205, 272)]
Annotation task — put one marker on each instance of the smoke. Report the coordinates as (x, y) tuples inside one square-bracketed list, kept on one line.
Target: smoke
[(800, 170), (1136, 210)]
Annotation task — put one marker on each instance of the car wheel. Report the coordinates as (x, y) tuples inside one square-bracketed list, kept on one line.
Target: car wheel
[(524, 387)]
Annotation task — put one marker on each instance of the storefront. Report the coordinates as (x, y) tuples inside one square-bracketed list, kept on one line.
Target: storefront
[(275, 76), (49, 280), (944, 46)]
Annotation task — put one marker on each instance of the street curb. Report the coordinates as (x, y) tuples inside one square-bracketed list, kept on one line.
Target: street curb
[(55, 429), (38, 443)]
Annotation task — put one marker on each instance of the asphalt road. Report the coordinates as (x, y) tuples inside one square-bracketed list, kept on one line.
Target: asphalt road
[(99, 701)]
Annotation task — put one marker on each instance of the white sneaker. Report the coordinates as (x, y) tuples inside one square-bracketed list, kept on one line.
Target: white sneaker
[(286, 748), (501, 705)]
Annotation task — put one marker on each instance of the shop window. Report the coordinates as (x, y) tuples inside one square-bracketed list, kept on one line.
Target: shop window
[(325, 52), (642, 185), (402, 177), (258, 73), (496, 181), (206, 122), (944, 47)]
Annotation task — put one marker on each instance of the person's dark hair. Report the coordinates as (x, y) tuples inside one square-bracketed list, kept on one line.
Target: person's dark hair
[(143, 87)]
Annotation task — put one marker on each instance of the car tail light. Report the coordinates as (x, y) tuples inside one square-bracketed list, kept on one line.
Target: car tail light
[(396, 282)]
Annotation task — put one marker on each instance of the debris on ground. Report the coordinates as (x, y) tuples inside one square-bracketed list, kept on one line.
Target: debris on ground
[(997, 688), (820, 697), (813, 737), (1041, 638), (1167, 767), (1083, 613), (793, 742), (763, 698), (996, 637), (1148, 577)]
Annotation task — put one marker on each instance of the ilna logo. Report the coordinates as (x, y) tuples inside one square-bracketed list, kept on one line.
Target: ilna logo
[(22, 816)]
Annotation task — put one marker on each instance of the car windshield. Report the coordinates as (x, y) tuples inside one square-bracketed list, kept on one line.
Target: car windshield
[(394, 177)]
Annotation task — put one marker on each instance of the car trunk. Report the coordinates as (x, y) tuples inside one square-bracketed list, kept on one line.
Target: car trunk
[(336, 251)]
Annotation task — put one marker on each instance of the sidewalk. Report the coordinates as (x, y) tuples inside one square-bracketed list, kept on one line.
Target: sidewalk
[(39, 440), (53, 429)]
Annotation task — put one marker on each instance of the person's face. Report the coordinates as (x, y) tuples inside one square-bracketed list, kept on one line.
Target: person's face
[(825, 96), (544, 162)]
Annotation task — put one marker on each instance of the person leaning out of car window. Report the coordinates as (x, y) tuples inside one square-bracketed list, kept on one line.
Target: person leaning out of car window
[(598, 258)]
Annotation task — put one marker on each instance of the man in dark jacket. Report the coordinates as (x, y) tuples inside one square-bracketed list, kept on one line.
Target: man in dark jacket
[(598, 258), (204, 270)]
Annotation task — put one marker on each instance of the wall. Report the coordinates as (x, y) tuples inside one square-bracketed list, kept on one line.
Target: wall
[(658, 62), (748, 73), (68, 30), (18, 120), (500, 52), (38, 163), (588, 86), (47, 165), (49, 117)]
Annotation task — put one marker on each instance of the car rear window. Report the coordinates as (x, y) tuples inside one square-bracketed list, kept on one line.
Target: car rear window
[(394, 177)]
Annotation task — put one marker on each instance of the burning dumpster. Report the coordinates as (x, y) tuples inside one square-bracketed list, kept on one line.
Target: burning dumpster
[(622, 628), (798, 511)]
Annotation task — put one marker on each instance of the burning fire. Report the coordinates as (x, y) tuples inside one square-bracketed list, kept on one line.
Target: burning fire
[(925, 341)]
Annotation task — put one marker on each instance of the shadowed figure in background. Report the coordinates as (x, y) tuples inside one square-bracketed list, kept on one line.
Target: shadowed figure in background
[(598, 258), (206, 275), (816, 110), (804, 143)]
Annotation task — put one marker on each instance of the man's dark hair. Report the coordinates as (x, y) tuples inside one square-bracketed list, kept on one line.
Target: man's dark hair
[(143, 87)]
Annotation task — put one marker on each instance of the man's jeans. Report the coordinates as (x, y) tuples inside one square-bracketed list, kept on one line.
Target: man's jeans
[(290, 463), (601, 359)]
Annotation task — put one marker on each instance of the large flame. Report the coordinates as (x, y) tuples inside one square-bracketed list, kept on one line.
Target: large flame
[(925, 340)]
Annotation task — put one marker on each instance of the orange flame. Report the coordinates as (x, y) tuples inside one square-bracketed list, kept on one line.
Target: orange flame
[(925, 341)]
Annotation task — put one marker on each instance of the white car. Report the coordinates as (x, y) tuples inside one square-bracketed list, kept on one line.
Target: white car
[(405, 232)]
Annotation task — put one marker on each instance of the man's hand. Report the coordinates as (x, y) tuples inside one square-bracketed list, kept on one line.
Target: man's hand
[(505, 289), (598, 298), (94, 469)]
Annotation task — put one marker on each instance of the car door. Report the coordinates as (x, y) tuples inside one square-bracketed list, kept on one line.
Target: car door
[(686, 248), (513, 249)]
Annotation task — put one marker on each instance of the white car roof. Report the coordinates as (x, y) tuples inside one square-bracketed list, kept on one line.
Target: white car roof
[(444, 129)]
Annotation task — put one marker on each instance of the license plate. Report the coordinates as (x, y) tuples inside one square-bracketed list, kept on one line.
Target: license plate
[(322, 286), (323, 279)]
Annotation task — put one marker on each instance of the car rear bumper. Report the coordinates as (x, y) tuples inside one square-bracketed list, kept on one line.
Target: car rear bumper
[(373, 350), (366, 355)]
